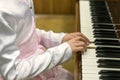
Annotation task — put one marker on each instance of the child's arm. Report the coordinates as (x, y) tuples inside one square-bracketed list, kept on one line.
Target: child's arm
[(12, 68), (49, 38)]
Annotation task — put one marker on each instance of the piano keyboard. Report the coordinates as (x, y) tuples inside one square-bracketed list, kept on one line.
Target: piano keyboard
[(102, 61)]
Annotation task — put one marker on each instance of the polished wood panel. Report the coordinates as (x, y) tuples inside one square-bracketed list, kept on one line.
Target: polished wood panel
[(54, 6), (42, 6), (64, 6)]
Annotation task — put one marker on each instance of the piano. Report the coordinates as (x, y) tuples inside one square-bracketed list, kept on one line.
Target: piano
[(99, 20)]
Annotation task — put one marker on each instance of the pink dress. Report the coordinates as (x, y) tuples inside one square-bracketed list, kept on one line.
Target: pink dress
[(23, 54)]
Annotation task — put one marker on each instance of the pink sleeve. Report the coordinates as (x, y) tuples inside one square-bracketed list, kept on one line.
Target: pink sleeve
[(50, 39)]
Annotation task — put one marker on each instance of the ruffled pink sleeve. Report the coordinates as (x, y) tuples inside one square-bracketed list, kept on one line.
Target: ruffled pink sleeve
[(49, 38)]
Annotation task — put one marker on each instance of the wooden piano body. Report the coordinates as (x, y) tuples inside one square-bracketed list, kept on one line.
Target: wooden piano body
[(114, 8)]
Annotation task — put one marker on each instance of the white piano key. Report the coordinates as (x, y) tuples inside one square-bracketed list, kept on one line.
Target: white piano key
[(88, 67), (89, 54), (90, 51), (92, 56), (91, 71), (91, 75), (85, 18), (90, 78), (91, 62), (92, 46)]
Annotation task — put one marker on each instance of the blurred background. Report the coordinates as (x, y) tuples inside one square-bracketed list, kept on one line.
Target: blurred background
[(56, 15)]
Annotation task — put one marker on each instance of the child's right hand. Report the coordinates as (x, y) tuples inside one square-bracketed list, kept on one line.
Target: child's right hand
[(78, 44)]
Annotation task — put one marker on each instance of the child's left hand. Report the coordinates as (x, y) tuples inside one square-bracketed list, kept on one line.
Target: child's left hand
[(70, 36)]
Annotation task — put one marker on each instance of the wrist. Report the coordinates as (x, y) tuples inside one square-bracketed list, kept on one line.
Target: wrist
[(64, 38)]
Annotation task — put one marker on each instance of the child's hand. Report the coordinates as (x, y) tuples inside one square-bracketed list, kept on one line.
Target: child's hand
[(79, 43), (69, 36)]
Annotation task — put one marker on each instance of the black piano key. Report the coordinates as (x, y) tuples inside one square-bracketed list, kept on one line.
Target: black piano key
[(102, 26), (108, 61), (97, 3), (107, 42), (108, 49), (105, 36), (98, 31), (109, 55), (95, 8), (105, 63), (101, 40), (107, 77), (105, 32), (98, 7), (98, 14), (101, 21), (99, 11), (107, 52), (109, 72), (108, 65), (101, 17)]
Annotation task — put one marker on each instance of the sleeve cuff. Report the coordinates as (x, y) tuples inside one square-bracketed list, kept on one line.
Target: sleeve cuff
[(68, 52), (61, 37)]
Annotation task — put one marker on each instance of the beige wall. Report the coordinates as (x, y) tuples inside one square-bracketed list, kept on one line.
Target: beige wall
[(54, 6)]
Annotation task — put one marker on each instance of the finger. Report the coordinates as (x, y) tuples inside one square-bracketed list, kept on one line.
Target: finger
[(80, 43), (80, 49), (81, 39), (73, 35), (82, 35), (84, 46)]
